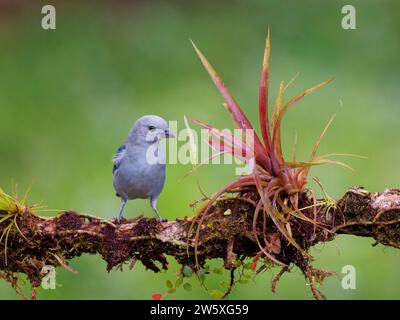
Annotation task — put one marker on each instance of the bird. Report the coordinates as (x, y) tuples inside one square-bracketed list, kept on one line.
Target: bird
[(139, 164)]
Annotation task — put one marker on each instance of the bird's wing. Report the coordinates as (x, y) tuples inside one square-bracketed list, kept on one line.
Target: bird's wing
[(118, 157)]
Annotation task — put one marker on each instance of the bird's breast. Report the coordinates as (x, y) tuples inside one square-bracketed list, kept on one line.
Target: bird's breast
[(137, 178)]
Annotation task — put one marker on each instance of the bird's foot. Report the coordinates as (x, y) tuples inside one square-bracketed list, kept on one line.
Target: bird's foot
[(119, 219)]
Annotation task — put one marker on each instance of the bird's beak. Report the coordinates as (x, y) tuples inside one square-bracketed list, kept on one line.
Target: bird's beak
[(168, 133)]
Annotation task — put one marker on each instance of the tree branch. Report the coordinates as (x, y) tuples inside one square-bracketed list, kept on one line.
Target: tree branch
[(30, 241)]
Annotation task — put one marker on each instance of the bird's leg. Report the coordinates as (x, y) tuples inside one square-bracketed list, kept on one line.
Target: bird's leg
[(120, 216), (153, 204)]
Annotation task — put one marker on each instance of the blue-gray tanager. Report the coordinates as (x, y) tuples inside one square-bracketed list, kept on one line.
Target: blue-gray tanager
[(139, 164)]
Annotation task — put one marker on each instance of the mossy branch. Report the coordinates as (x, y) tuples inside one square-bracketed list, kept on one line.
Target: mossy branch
[(30, 242)]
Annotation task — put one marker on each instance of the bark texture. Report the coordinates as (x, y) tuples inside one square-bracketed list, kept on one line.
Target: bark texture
[(227, 232)]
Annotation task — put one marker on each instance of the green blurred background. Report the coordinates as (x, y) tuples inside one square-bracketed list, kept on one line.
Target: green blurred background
[(68, 98)]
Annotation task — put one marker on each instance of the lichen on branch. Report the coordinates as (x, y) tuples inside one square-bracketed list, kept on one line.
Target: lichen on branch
[(29, 242)]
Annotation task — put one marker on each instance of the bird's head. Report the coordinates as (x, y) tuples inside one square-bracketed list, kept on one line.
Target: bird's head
[(150, 129)]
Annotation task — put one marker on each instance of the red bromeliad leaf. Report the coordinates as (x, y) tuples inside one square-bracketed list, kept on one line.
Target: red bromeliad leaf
[(220, 145), (313, 153), (312, 157), (231, 139), (263, 97), (305, 93), (276, 128), (283, 110), (246, 148), (237, 114)]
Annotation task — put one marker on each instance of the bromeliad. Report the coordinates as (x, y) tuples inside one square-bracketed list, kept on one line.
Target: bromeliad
[(279, 183)]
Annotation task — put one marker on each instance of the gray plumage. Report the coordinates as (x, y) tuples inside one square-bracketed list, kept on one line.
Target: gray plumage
[(139, 164)]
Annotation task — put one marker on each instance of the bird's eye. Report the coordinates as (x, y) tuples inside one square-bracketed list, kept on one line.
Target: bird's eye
[(151, 127)]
